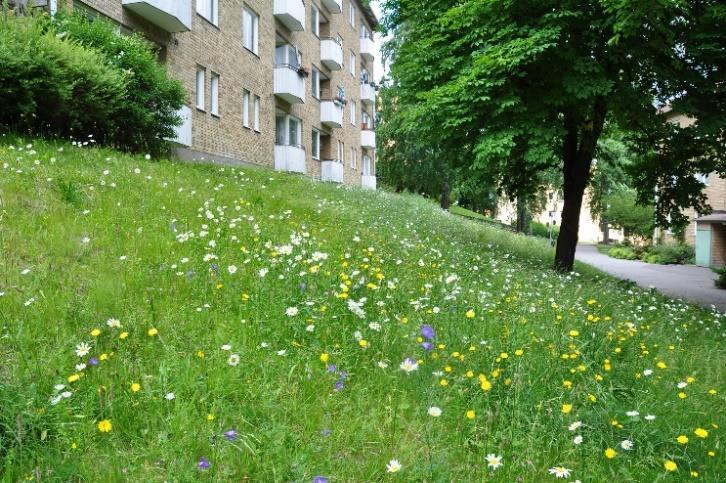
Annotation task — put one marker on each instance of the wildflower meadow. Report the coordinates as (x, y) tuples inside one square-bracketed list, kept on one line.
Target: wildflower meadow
[(171, 322)]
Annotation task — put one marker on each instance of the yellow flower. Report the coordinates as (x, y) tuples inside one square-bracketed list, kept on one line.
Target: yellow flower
[(701, 433), (566, 408), (444, 382), (694, 473), (210, 417), (96, 332), (504, 355), (363, 343), (135, 387), (104, 426), (682, 395), (519, 352), (74, 377), (610, 453), (661, 365), (103, 357), (200, 354), (324, 357), (470, 414), (670, 465), (470, 314), (123, 335), (574, 333), (152, 332), (484, 383), (683, 439)]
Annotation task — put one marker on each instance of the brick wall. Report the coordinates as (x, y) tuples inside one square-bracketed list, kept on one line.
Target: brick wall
[(219, 49)]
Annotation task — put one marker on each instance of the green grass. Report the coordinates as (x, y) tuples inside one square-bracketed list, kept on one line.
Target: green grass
[(87, 235)]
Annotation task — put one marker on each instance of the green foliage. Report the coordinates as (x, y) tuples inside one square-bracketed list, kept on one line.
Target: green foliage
[(80, 79), (624, 212), (543, 231), (669, 254), (624, 253), (148, 114), (54, 87), (720, 281)]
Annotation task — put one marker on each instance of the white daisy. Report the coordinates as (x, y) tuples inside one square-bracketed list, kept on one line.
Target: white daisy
[(393, 466), (291, 311), (493, 461), (82, 349), (559, 472), (409, 365), (435, 411), (233, 360)]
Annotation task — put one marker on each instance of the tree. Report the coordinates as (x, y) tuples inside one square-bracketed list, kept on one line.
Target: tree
[(531, 84), (624, 212)]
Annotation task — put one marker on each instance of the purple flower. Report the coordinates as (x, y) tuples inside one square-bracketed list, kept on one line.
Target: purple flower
[(428, 332), (231, 435), (427, 345), (339, 385), (203, 464), (302, 289), (215, 267), (326, 432), (320, 479), (331, 368), (93, 361), (343, 375)]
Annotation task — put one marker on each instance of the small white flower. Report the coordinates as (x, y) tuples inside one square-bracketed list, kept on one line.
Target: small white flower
[(59, 387), (80, 367), (233, 360), (147, 157), (281, 352), (82, 349), (113, 323), (682, 384), (435, 411), (382, 364), (493, 461), (310, 328), (226, 347), (626, 444), (263, 272), (633, 414), (85, 240), (55, 400), (232, 269), (170, 396), (291, 311), (649, 417), (559, 472), (393, 466), (409, 365), (575, 426), (648, 372), (66, 394), (25, 271), (577, 439)]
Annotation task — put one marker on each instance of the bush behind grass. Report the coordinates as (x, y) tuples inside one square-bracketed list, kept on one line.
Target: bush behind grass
[(91, 234)]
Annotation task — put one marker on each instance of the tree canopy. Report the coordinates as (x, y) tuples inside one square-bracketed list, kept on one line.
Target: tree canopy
[(511, 89)]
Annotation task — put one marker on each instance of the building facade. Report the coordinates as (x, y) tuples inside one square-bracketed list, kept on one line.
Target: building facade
[(286, 84)]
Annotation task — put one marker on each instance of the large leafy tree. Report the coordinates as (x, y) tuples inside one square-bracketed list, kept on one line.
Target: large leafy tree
[(530, 84)]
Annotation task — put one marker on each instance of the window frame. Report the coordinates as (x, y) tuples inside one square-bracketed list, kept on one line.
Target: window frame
[(254, 26), (315, 20), (315, 81), (246, 108), (211, 11), (315, 143), (214, 81), (200, 94), (256, 112)]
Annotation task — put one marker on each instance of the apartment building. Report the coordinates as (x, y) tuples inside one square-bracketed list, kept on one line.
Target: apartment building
[(281, 83)]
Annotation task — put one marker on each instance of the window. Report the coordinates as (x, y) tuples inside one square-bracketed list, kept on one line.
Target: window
[(287, 54), (316, 144), (351, 14), (214, 93), (257, 113), (365, 119), (366, 165), (246, 108), (353, 158), (352, 112), (287, 130), (315, 81), (341, 152), (201, 74), (250, 30), (352, 63), (209, 9), (315, 20)]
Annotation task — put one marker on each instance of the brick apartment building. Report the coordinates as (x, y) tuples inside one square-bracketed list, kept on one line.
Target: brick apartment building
[(280, 83)]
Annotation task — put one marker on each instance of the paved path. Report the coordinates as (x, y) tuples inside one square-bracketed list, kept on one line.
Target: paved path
[(687, 282)]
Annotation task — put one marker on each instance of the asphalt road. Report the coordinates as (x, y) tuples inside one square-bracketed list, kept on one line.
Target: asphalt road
[(687, 282)]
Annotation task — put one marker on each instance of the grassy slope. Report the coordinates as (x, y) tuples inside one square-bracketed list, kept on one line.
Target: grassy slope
[(292, 423)]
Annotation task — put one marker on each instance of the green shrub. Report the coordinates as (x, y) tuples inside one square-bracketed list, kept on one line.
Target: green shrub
[(720, 282), (543, 231), (624, 253), (669, 254), (50, 86), (148, 114)]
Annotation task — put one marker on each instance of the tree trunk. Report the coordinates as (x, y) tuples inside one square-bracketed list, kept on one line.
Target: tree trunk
[(578, 149), (445, 195), (605, 231), (522, 215)]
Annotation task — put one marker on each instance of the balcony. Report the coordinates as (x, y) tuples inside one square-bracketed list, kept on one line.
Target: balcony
[(183, 133), (170, 15), (331, 54), (288, 84), (367, 94), (289, 158), (368, 139), (331, 113), (290, 13), (331, 170), (367, 49), (368, 182), (334, 6)]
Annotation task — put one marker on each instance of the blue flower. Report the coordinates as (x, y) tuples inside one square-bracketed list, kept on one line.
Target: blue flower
[(231, 435), (203, 464), (428, 332), (320, 479)]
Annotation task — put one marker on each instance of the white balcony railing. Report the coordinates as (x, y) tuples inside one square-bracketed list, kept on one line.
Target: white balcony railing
[(334, 6), (331, 54), (368, 182), (368, 139), (367, 94), (331, 113), (289, 158), (291, 13), (367, 49), (289, 85), (171, 15), (331, 170)]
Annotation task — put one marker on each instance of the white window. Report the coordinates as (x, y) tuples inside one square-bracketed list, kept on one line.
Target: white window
[(250, 30), (315, 81), (352, 63), (209, 9), (352, 112), (316, 144), (246, 108), (257, 113), (351, 14), (366, 165), (214, 93), (353, 158), (365, 119), (201, 74), (341, 152), (288, 130), (315, 20), (286, 54)]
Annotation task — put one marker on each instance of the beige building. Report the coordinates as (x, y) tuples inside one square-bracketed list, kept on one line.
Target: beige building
[(280, 83)]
